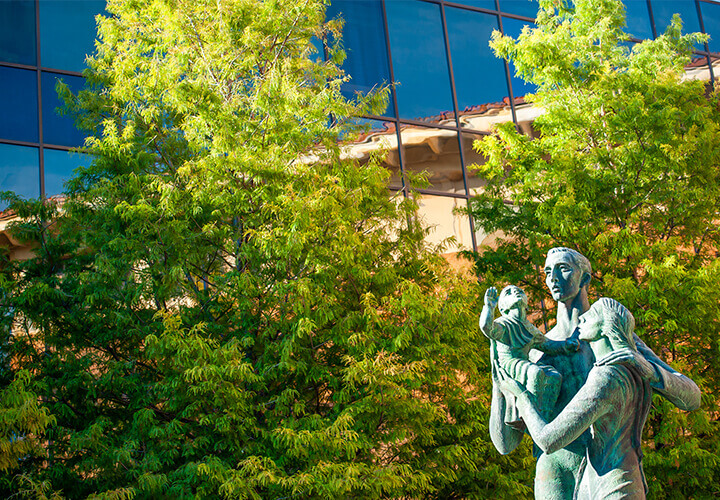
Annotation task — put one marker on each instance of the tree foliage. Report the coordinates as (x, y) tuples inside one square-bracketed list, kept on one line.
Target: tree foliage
[(225, 306), (625, 169)]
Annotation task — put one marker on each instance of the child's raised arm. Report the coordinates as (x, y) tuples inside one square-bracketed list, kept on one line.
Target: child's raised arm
[(487, 313)]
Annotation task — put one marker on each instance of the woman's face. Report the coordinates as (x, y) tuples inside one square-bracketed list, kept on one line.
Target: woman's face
[(590, 325)]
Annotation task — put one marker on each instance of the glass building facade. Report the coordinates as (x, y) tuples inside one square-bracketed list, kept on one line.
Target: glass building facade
[(41, 42), (448, 88)]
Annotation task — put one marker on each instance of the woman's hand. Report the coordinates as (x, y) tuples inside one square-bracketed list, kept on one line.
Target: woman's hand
[(634, 358), (647, 369), (507, 383)]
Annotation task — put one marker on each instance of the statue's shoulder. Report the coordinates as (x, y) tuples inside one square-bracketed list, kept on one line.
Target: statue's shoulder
[(606, 380)]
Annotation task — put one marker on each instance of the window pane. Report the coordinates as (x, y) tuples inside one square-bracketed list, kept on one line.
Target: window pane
[(527, 8), (17, 32), (663, 11), (364, 44), (434, 154), (698, 69), (419, 60), (59, 129), (473, 158), (319, 55), (59, 166), (480, 79), (67, 32), (483, 4), (484, 118), (18, 102), (638, 19), (711, 20), (378, 137), (438, 213), (19, 170), (513, 27)]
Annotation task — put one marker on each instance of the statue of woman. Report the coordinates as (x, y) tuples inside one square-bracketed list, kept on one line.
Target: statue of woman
[(613, 403)]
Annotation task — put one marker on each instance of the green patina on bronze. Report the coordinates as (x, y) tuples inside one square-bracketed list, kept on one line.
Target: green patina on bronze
[(588, 439)]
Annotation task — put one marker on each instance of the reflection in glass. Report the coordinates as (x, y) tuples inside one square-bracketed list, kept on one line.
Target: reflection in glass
[(59, 129), (377, 137), (319, 54), (480, 82), (59, 166), (484, 118), (638, 19), (527, 8), (438, 213), (711, 21), (698, 69), (432, 154), (364, 44), (483, 4), (17, 32), (472, 159), (67, 32), (663, 11), (513, 28), (526, 114), (19, 170), (476, 183), (419, 61), (18, 99)]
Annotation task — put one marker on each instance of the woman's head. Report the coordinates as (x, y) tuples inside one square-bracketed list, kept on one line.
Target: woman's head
[(610, 319)]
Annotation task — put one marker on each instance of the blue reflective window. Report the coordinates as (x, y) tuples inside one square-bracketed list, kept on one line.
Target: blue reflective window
[(59, 129), (364, 44), (513, 27), (18, 102), (59, 167), (17, 32), (20, 170), (479, 75), (638, 19), (663, 11), (483, 4), (527, 8), (419, 60), (67, 32), (711, 20), (319, 54)]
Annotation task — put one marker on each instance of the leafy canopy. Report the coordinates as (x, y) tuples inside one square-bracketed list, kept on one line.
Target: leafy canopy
[(227, 306)]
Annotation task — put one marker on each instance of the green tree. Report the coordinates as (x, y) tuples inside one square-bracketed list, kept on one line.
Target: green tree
[(625, 170), (227, 307)]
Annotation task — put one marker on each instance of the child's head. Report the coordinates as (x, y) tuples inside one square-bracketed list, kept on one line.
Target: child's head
[(512, 297)]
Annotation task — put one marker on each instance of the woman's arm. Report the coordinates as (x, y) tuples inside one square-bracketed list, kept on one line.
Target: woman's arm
[(590, 403), (676, 387)]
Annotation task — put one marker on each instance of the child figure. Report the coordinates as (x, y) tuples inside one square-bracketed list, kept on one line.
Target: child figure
[(512, 337)]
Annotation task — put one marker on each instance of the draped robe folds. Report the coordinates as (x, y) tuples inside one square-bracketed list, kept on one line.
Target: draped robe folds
[(510, 346)]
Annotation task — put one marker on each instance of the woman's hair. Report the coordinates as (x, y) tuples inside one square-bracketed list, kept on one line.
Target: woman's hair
[(618, 322)]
